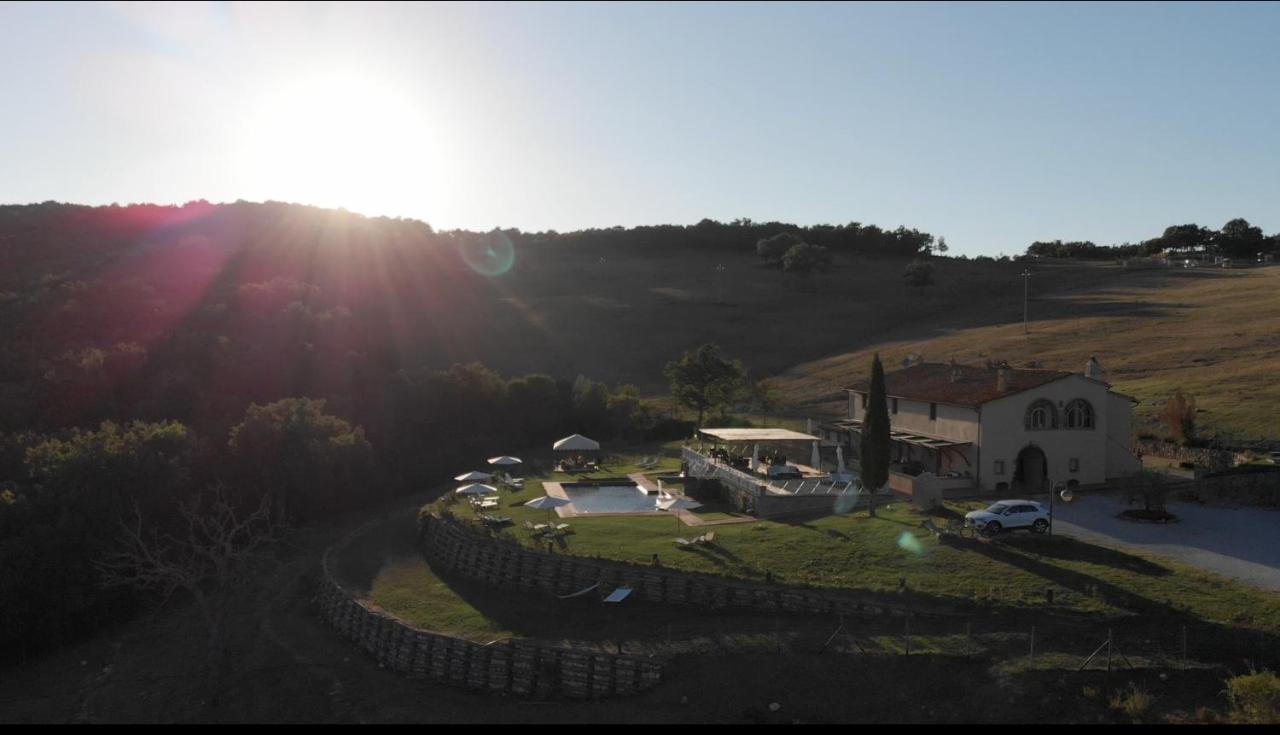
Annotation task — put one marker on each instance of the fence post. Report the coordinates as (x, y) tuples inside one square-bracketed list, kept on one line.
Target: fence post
[(1184, 646)]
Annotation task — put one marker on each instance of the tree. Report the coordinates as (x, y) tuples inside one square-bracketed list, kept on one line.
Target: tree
[(773, 248), (873, 450), (701, 379), (313, 464), (804, 259), (205, 556), (918, 274), (766, 396), (942, 245), (1239, 239), (1179, 415), (1152, 489)]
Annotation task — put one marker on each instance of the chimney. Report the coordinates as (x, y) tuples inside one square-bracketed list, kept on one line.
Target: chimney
[(1094, 370), (1002, 377)]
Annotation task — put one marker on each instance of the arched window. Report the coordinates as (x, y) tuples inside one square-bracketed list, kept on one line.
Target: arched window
[(1079, 414), (1042, 415)]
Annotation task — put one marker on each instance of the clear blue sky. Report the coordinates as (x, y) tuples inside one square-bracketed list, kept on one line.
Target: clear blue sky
[(991, 124)]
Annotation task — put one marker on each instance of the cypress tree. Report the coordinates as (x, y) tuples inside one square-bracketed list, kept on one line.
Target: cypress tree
[(873, 450)]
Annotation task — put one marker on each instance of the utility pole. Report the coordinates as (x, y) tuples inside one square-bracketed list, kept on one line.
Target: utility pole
[(1026, 280)]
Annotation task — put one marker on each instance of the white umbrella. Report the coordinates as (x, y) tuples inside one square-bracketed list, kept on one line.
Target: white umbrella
[(755, 458), (815, 459), (473, 476), (681, 503), (504, 461), (549, 502), (476, 489), (576, 443), (840, 459)]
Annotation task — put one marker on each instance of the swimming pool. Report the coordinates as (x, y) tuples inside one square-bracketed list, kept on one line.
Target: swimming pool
[(611, 498)]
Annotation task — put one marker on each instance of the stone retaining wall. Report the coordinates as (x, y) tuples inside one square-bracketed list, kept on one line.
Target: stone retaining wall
[(1214, 460), (449, 544), (516, 666)]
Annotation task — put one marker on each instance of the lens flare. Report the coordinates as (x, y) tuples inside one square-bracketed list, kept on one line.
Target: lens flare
[(491, 254), (845, 502), (908, 542)]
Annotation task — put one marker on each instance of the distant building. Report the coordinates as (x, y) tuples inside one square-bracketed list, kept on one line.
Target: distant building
[(998, 429)]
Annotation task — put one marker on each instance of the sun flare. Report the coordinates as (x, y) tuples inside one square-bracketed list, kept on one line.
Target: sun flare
[(341, 140)]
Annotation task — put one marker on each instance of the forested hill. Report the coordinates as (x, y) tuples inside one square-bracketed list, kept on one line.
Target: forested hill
[(193, 312)]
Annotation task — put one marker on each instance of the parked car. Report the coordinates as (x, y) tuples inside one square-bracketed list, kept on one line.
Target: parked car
[(1007, 515)]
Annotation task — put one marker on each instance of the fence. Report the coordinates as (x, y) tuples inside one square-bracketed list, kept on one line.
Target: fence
[(516, 666), (448, 543)]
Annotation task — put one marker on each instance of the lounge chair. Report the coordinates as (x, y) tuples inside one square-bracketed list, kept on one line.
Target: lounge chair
[(618, 595), (685, 543), (708, 539), (495, 520), (562, 527)]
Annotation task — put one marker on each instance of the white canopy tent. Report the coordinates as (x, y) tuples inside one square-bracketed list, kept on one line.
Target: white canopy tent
[(576, 443)]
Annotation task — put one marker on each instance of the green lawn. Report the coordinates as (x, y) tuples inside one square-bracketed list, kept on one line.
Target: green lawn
[(854, 551), (411, 591)]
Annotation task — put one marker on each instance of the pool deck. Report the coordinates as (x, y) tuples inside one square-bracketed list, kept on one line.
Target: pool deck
[(554, 489)]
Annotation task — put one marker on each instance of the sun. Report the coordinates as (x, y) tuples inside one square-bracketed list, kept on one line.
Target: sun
[(341, 140)]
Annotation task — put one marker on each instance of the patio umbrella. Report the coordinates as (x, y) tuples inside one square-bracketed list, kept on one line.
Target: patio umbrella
[(678, 503), (840, 459), (504, 461), (473, 476), (755, 458), (815, 459), (476, 489), (549, 502)]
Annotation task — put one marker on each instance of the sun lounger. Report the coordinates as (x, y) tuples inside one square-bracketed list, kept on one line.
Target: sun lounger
[(706, 538), (684, 543), (496, 520), (618, 595), (561, 527)]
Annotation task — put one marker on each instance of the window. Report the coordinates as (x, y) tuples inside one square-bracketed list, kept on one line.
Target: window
[(895, 405), (1042, 415), (864, 399), (1079, 414), (933, 412), (1073, 464), (999, 466)]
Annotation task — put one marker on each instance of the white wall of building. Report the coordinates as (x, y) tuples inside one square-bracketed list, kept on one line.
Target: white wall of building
[(1004, 434)]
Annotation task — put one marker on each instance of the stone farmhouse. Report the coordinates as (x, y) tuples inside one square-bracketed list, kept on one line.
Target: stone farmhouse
[(997, 430)]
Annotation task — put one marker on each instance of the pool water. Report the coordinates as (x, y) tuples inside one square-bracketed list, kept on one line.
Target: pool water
[(611, 499)]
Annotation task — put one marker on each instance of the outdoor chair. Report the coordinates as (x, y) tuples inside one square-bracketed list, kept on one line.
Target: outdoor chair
[(495, 520), (707, 539), (684, 543), (562, 527)]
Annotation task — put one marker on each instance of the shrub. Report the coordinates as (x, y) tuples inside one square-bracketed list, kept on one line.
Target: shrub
[(1254, 697), (1134, 702)]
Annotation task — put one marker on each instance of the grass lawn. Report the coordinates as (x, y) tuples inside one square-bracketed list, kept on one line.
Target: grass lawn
[(410, 590), (854, 551)]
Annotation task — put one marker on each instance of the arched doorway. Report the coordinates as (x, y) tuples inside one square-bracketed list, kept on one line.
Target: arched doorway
[(1032, 471)]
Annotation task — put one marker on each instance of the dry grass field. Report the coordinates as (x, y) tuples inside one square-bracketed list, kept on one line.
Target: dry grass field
[(1215, 334)]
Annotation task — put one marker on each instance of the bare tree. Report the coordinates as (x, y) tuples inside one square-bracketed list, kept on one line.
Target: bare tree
[(204, 555)]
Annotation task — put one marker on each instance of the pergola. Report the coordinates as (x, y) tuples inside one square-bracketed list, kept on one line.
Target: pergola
[(756, 437), (940, 446)]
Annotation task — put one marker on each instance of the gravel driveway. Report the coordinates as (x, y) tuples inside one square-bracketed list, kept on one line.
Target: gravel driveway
[(1242, 543)]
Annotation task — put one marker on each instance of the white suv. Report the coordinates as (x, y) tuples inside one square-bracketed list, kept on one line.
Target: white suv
[(1008, 515)]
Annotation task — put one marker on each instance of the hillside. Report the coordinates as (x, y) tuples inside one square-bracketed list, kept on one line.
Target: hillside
[(1215, 334), (193, 312)]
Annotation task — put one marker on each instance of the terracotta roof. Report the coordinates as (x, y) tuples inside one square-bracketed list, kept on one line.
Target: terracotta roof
[(976, 384)]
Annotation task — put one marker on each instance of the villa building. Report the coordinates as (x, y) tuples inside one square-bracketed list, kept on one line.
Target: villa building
[(995, 429)]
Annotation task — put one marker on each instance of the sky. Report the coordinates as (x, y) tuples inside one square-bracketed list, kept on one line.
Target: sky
[(991, 124)]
